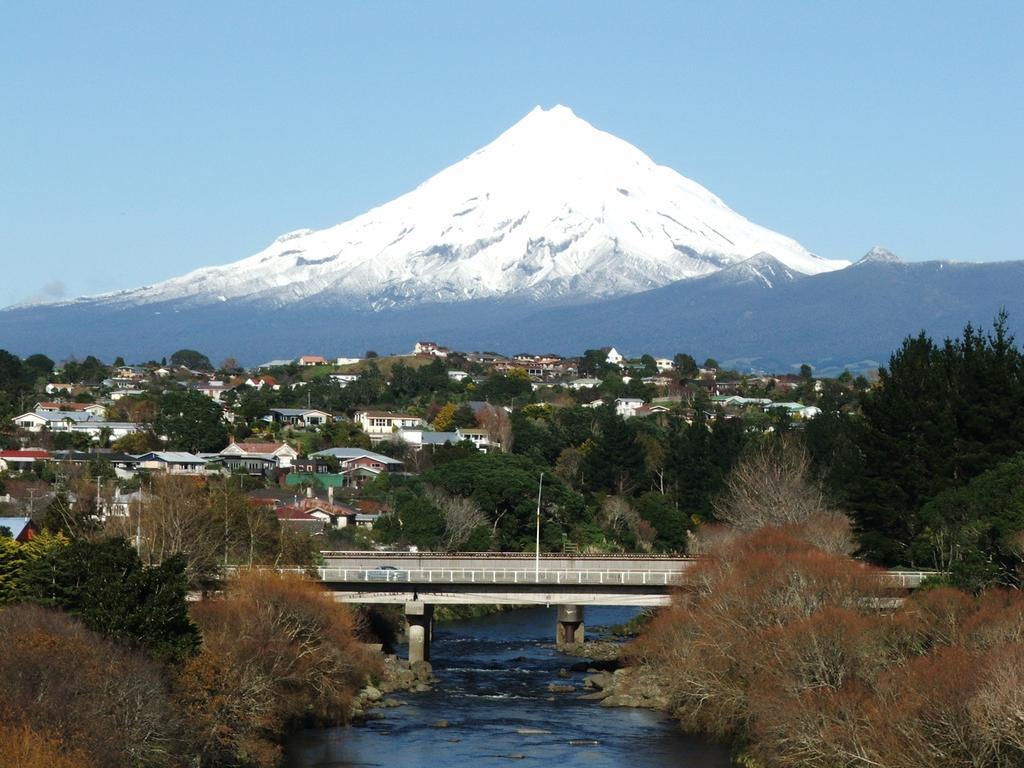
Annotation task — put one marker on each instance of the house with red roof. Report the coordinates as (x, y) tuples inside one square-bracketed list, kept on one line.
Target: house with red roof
[(19, 461)]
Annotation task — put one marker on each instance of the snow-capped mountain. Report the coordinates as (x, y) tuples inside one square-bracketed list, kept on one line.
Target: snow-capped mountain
[(553, 208)]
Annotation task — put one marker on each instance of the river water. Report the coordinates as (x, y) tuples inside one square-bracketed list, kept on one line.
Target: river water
[(494, 674)]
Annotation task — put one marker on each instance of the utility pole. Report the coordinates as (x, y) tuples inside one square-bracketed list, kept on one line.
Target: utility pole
[(540, 490)]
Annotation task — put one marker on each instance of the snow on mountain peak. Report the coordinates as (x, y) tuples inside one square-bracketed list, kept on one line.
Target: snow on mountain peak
[(879, 255), (553, 209)]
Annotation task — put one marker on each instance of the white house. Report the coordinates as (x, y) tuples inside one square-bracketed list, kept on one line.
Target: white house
[(585, 383), (213, 389), (343, 379), (613, 357), (457, 375), (281, 454), (347, 360), (480, 438), (796, 410), (626, 406), (55, 421), (664, 364), (418, 438), (380, 425)]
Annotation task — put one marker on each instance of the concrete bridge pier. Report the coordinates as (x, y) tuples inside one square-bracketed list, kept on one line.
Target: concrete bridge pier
[(569, 628), (420, 618)]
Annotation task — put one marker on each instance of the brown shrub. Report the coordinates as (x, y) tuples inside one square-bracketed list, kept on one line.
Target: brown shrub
[(921, 717), (277, 650), (108, 701), (723, 625), (997, 708), (24, 747), (999, 619), (936, 617)]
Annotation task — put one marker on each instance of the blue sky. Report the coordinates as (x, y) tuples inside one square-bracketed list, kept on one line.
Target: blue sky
[(143, 140)]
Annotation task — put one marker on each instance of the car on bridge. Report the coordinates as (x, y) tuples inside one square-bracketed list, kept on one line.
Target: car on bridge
[(386, 573)]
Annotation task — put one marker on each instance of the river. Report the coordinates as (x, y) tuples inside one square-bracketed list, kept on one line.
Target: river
[(494, 674)]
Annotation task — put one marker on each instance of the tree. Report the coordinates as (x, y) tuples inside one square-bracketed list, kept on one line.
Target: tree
[(191, 422), (105, 584), (771, 486), (940, 416), (277, 650), (806, 372), (977, 531), (685, 365), (669, 524), (595, 363), (615, 462), (464, 417), (445, 417), (190, 358), (463, 519), (504, 487)]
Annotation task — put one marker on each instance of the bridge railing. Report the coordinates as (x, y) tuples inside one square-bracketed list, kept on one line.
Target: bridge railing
[(499, 576)]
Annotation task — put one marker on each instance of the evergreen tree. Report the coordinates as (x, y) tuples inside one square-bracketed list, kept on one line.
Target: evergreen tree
[(939, 416)]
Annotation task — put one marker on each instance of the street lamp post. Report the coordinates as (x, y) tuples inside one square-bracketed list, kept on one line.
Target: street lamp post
[(540, 490)]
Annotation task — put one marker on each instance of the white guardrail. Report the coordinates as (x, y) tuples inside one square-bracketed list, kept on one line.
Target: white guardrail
[(499, 576), (637, 578)]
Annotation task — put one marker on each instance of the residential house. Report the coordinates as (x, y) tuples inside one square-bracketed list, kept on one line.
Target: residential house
[(173, 462), (419, 438), (312, 465), (97, 410), (215, 390), (262, 382), (478, 437), (612, 356), (347, 360), (658, 412), (301, 520), (664, 364), (280, 454), (75, 421), (796, 410), (351, 458), (381, 425), (310, 360), (120, 394), (585, 383), (124, 464), (458, 375), (626, 406), (20, 461), (136, 372), (343, 379), (299, 417)]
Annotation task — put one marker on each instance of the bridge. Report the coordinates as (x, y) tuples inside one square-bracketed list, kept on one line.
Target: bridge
[(420, 581)]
